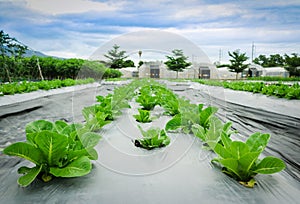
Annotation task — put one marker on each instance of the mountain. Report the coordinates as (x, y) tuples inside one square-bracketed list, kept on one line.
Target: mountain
[(30, 53)]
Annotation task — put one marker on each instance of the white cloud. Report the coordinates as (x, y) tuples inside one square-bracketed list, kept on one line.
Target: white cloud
[(227, 26), (57, 7), (267, 40), (208, 11), (152, 42), (215, 35), (209, 40), (259, 3)]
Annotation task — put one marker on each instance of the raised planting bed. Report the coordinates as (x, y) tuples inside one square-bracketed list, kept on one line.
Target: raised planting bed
[(273, 78), (279, 89), (27, 86), (180, 171)]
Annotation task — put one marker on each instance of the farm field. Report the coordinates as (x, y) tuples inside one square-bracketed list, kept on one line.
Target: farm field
[(180, 172)]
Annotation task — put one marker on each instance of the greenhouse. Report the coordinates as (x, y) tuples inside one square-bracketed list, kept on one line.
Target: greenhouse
[(276, 71), (157, 69)]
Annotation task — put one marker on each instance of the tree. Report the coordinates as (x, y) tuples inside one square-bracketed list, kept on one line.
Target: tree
[(10, 47), (97, 70), (128, 63), (275, 60), (237, 62), (28, 70), (261, 60), (68, 68), (292, 64), (140, 64), (117, 58), (177, 62)]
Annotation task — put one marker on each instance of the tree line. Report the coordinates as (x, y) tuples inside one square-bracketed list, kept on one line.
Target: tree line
[(290, 63), (238, 62), (15, 67), (49, 68)]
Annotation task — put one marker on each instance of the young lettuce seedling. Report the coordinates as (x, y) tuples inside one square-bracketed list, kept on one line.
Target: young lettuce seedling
[(240, 159), (147, 98), (57, 150), (94, 120), (152, 138), (212, 135), (189, 115), (143, 116), (171, 105), (111, 105)]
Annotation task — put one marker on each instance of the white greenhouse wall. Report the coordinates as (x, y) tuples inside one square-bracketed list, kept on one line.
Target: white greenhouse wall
[(194, 72)]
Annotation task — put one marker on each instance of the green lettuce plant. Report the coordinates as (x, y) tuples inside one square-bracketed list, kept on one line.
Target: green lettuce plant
[(111, 105), (94, 119), (143, 116), (189, 115), (57, 150), (27, 86), (170, 103), (107, 110), (152, 138), (212, 135), (161, 92), (279, 89), (147, 98), (146, 101), (240, 160)]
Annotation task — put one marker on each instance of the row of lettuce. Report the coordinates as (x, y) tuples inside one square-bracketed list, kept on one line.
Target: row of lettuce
[(26, 86), (274, 78), (238, 159), (59, 149), (280, 90)]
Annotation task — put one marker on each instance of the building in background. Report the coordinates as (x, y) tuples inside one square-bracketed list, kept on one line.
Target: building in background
[(157, 69)]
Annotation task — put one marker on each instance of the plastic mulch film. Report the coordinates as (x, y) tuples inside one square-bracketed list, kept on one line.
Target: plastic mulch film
[(179, 173)]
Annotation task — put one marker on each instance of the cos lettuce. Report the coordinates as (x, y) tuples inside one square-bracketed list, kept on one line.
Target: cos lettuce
[(57, 150), (143, 116), (240, 160), (152, 138)]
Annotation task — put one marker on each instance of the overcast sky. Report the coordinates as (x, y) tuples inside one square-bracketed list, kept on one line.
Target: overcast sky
[(77, 28)]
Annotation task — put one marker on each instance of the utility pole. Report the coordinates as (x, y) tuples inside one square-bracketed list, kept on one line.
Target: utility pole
[(220, 55), (37, 61), (252, 53), (40, 70), (138, 66)]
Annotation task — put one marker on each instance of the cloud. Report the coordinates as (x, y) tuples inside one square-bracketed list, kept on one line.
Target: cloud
[(208, 12), (58, 7), (152, 41), (267, 40), (78, 27)]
